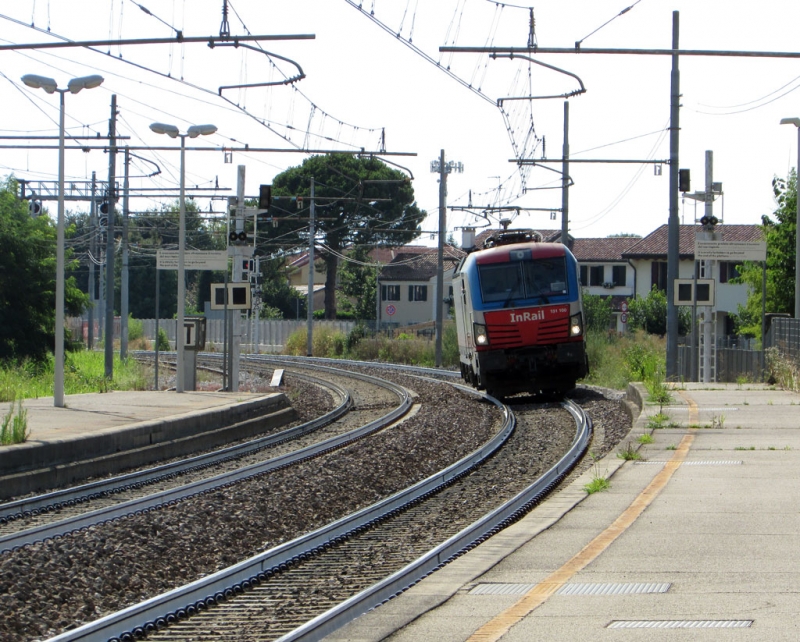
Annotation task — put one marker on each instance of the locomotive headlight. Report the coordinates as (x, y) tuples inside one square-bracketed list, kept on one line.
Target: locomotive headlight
[(575, 325), (481, 336)]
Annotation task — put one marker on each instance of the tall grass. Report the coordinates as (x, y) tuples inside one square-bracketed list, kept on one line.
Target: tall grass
[(14, 426), (362, 345), (616, 360), (83, 372)]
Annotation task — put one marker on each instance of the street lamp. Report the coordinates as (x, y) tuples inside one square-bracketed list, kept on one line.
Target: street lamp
[(50, 86), (796, 123), (193, 132)]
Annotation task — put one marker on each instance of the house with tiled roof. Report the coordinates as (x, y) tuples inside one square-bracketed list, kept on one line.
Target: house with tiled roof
[(605, 272), (648, 257), (297, 269), (407, 285)]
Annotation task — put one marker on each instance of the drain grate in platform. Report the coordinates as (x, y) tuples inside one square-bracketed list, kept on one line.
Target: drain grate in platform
[(501, 589), (680, 624), (700, 462), (626, 588)]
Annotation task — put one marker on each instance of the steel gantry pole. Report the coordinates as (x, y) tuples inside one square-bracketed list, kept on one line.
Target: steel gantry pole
[(565, 179), (673, 227), (112, 199), (440, 257), (796, 122)]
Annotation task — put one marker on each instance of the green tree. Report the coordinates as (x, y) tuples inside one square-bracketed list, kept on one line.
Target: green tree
[(281, 301), (27, 280), (780, 234), (650, 314), (597, 310), (358, 280), (359, 202)]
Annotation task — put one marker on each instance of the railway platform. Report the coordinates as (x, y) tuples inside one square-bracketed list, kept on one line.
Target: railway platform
[(101, 432), (699, 535)]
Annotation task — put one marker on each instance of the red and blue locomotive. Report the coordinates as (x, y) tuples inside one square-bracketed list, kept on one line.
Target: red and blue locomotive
[(519, 316)]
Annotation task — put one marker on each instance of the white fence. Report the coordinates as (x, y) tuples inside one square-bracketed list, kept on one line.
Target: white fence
[(264, 337)]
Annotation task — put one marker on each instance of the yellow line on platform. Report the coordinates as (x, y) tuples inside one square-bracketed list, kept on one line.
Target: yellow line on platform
[(694, 411), (500, 625)]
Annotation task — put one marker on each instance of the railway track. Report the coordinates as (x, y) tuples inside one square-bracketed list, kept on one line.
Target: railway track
[(316, 583), (54, 514), (121, 561), (424, 430)]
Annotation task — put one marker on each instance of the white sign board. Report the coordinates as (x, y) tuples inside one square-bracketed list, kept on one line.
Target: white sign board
[(730, 250), (192, 260)]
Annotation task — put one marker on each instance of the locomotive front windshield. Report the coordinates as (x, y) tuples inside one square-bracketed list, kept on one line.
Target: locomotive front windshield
[(523, 279)]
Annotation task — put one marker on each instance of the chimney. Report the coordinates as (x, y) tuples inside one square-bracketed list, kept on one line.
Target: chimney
[(467, 238)]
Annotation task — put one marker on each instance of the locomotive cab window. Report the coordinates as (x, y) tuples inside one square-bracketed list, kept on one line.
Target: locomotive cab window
[(525, 279)]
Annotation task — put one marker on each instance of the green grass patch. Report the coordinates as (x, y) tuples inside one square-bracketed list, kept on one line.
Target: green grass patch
[(659, 420), (84, 372), (629, 453), (615, 360), (14, 425), (646, 438), (597, 485), (361, 344)]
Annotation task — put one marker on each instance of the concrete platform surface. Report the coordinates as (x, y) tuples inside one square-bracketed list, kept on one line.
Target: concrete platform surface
[(88, 413), (99, 434), (698, 540)]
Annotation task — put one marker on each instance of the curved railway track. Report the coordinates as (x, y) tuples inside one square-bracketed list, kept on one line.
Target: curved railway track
[(340, 571), (54, 514), (387, 535)]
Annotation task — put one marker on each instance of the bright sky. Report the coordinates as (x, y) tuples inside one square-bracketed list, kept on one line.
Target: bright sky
[(363, 82)]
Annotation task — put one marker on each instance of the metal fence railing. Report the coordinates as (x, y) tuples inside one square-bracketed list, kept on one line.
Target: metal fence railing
[(737, 358), (784, 335)]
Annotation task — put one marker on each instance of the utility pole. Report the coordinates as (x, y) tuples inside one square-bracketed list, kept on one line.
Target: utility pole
[(443, 170), (238, 255), (92, 258), (112, 170), (673, 227), (123, 295), (440, 258), (565, 179), (310, 305)]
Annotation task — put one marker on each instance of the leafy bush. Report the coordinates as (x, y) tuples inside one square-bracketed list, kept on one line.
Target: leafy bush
[(597, 312), (135, 329), (356, 334), (650, 314), (616, 360), (163, 340), (325, 342)]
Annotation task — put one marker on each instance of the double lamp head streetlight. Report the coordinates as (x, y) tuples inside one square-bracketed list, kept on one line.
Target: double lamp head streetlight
[(50, 86), (173, 132)]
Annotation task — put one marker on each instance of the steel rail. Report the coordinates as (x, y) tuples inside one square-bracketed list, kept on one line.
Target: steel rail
[(468, 538), (46, 502), (137, 619), (441, 372), (158, 500)]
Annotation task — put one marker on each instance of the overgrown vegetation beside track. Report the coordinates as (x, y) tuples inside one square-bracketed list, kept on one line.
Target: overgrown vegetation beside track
[(83, 372), (617, 359)]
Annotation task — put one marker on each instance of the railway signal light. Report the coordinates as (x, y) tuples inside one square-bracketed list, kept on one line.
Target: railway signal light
[(34, 208), (684, 180), (264, 197), (708, 222)]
